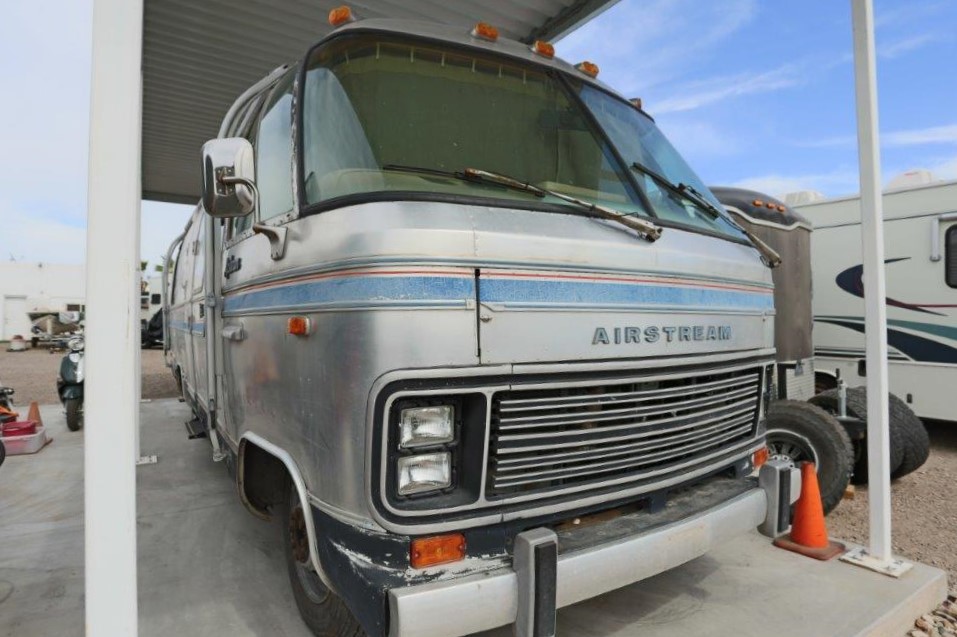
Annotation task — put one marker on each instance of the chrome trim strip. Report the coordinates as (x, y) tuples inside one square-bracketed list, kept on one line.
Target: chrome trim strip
[(453, 608), (351, 264), (283, 456)]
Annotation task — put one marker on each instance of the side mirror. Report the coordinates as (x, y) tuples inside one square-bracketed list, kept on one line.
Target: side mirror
[(229, 189)]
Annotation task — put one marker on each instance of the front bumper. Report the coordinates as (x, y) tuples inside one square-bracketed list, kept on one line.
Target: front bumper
[(480, 602)]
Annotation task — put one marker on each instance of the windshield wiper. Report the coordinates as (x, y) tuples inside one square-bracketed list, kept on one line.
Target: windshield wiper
[(769, 255), (648, 230)]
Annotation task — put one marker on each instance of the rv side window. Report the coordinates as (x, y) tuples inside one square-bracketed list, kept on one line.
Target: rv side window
[(951, 258), (199, 257), (247, 129), (174, 291), (274, 152)]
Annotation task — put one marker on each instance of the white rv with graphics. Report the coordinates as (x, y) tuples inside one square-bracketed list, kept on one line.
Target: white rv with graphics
[(461, 317), (920, 244)]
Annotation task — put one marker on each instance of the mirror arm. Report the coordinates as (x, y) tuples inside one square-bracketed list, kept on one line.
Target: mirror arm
[(276, 236)]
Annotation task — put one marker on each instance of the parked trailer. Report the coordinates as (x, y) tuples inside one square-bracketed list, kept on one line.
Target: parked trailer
[(797, 431), (920, 223), (444, 312)]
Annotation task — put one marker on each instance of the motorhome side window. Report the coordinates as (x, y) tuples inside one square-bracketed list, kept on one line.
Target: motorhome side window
[(274, 152), (199, 261), (951, 256)]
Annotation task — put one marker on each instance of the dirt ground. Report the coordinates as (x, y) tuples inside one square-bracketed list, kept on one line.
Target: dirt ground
[(924, 509), (33, 375)]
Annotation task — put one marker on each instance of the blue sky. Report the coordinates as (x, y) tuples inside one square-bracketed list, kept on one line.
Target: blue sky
[(761, 94), (753, 93)]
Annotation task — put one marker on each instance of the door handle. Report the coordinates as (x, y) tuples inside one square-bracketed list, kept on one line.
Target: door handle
[(234, 333)]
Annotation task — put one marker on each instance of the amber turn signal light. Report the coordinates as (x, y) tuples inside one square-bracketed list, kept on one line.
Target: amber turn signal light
[(485, 31), (588, 68), (299, 326), (545, 49), (438, 549), (759, 457), (340, 15)]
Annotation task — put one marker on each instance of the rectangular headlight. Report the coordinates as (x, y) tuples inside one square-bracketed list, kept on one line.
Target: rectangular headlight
[(424, 472), (420, 426)]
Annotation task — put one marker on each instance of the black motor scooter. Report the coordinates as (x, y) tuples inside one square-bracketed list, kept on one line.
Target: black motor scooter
[(69, 383)]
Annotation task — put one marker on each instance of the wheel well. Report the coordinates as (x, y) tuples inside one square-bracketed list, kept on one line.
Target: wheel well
[(262, 478), (824, 381)]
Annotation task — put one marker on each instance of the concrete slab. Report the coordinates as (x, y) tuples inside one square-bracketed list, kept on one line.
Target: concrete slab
[(207, 567)]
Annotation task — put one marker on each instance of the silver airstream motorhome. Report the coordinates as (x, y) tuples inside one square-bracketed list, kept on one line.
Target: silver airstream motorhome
[(466, 322)]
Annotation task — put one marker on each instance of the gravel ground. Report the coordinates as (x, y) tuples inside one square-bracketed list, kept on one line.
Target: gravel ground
[(33, 375), (923, 515)]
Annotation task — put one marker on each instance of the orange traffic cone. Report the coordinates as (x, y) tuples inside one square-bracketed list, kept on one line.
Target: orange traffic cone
[(808, 534), (34, 413)]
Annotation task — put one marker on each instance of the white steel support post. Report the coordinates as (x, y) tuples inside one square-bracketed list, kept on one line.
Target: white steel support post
[(878, 555), (112, 327)]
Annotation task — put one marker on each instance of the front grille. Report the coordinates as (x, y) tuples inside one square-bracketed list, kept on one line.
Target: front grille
[(554, 437)]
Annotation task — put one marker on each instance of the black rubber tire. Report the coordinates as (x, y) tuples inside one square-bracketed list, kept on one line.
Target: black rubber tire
[(327, 615), (793, 426), (916, 440), (74, 420), (857, 408), (3, 452)]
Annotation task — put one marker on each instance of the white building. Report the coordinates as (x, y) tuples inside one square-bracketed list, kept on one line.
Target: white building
[(37, 287)]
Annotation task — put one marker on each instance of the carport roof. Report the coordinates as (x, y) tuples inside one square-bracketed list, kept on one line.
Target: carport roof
[(199, 56)]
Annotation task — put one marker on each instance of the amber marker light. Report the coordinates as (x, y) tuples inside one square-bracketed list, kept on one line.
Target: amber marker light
[(485, 31), (544, 49), (759, 457), (341, 15), (439, 549), (588, 68), (299, 326)]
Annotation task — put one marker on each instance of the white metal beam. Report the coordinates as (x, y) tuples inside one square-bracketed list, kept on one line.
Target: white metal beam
[(112, 326), (875, 319)]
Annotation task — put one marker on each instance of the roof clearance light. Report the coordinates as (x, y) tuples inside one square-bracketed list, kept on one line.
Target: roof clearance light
[(770, 205), (588, 68), (485, 31), (757, 203), (544, 49), (340, 16), (636, 102), (781, 208)]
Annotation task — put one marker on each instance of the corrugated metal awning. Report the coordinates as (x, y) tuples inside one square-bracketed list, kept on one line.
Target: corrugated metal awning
[(199, 56)]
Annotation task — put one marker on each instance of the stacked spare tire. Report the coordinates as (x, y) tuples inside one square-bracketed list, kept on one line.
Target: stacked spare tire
[(802, 426), (909, 442)]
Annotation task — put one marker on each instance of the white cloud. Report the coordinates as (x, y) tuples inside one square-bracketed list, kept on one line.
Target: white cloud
[(900, 47), (33, 238), (946, 134), (702, 93), (654, 41), (920, 136), (836, 182)]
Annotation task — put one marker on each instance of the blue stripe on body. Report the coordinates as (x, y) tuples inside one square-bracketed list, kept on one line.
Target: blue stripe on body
[(529, 293), (359, 291)]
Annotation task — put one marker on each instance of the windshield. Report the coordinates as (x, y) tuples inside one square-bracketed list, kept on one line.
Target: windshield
[(382, 113), (637, 139), (376, 107)]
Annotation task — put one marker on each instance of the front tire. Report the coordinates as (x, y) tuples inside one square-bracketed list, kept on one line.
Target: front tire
[(323, 611), (799, 432), (74, 413)]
